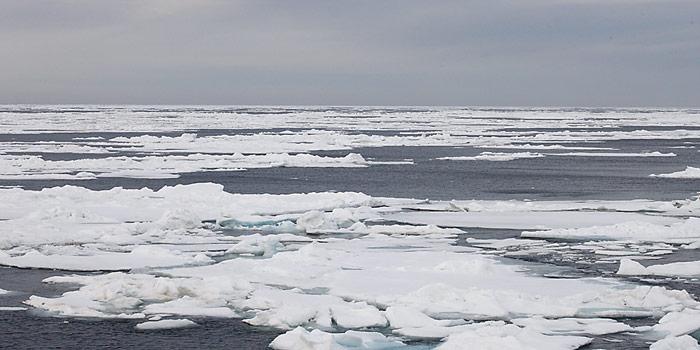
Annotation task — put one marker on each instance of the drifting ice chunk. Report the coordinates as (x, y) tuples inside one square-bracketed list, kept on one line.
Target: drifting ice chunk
[(188, 306), (678, 323), (497, 156), (595, 326), (140, 257), (510, 336), (301, 339), (162, 167), (640, 231), (257, 244), (525, 219), (685, 342), (689, 173), (681, 269), (12, 308), (614, 154), (165, 324)]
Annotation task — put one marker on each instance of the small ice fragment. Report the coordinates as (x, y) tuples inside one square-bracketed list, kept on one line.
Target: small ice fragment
[(689, 173), (12, 308), (165, 324), (301, 339)]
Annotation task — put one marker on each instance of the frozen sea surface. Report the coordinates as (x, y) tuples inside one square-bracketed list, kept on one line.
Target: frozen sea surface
[(402, 148)]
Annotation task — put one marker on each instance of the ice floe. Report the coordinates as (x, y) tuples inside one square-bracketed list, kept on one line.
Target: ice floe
[(345, 262), (614, 154), (165, 324), (169, 166), (301, 339), (139, 257), (689, 173), (592, 326), (362, 281), (12, 308), (496, 156), (684, 342), (510, 337), (684, 231), (682, 269), (678, 323)]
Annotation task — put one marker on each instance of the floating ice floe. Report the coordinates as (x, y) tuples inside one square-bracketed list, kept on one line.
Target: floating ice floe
[(496, 156), (12, 308), (348, 283), (139, 257), (167, 166), (592, 326), (680, 269), (689, 173), (678, 323), (510, 337), (526, 220), (684, 342), (73, 216), (301, 339), (687, 230), (198, 251), (614, 154), (165, 324), (50, 147)]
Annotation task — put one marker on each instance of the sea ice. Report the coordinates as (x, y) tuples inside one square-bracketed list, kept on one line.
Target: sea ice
[(139, 257), (689, 173), (678, 323), (12, 308), (684, 342), (510, 336), (592, 326), (496, 156), (166, 166), (680, 269), (301, 339), (164, 324), (614, 154), (686, 230)]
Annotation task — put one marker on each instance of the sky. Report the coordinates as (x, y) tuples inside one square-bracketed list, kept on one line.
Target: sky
[(323, 52)]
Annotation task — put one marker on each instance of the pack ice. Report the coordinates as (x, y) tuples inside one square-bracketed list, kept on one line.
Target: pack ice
[(326, 267)]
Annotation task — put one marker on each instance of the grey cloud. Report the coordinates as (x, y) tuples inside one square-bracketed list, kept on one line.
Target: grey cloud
[(351, 52)]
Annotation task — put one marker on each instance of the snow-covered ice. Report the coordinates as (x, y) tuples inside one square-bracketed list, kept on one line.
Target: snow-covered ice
[(158, 167), (683, 269), (684, 342), (344, 270), (496, 156), (165, 324), (301, 339), (689, 173)]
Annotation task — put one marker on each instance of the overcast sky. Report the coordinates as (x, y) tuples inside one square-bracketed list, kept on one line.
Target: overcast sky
[(333, 52)]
